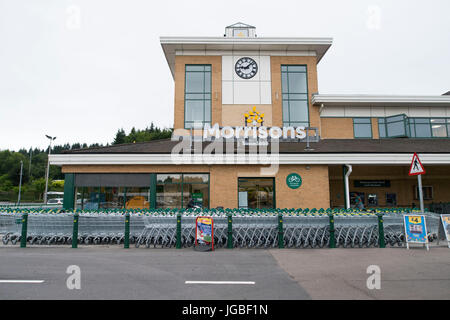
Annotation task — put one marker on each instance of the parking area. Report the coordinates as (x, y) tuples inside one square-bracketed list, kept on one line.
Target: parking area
[(111, 272)]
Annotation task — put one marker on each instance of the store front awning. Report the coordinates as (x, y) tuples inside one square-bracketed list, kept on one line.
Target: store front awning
[(329, 151)]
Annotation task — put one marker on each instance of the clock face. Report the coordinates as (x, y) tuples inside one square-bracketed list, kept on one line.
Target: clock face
[(246, 68)]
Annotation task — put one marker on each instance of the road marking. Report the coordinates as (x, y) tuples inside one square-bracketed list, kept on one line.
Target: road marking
[(21, 281), (219, 282)]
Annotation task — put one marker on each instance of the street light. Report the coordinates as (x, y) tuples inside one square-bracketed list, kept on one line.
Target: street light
[(48, 167), (20, 183)]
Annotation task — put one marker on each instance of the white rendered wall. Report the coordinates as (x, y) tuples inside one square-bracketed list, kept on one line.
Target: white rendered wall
[(236, 90)]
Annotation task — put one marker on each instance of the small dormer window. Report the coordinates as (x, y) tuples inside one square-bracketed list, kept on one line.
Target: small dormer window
[(240, 30)]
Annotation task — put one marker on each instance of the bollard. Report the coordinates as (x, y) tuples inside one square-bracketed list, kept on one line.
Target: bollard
[(178, 246), (381, 242), (230, 232), (332, 236), (280, 232), (75, 231), (126, 239), (23, 239)]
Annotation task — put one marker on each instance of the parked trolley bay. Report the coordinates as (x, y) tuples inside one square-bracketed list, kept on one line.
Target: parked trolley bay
[(243, 228)]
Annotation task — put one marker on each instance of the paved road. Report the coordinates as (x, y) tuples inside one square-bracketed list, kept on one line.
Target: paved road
[(116, 273), (110, 272)]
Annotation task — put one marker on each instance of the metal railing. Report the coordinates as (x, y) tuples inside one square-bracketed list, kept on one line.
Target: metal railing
[(231, 229)]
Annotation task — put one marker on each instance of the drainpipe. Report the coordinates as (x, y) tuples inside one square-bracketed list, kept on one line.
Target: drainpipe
[(347, 190)]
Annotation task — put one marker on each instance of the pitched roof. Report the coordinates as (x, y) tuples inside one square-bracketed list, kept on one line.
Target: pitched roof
[(399, 145), (240, 25)]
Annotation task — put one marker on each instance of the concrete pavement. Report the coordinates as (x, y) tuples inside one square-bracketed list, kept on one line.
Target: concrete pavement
[(111, 272)]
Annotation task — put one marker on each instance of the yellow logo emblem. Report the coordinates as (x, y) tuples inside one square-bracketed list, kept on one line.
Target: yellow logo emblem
[(254, 118)]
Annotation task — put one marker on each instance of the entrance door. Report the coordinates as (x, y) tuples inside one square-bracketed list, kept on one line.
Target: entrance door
[(256, 193)]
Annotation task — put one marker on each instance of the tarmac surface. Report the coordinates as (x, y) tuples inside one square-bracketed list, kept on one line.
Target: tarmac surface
[(111, 272)]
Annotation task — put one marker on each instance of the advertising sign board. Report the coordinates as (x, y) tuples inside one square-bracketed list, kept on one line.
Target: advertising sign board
[(204, 233), (445, 219), (415, 230)]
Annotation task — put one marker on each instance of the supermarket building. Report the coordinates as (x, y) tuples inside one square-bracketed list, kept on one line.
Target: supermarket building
[(252, 130)]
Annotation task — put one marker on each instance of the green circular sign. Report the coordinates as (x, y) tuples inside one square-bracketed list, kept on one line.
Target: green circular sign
[(294, 181)]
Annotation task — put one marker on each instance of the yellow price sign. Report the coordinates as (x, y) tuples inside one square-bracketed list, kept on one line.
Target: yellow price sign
[(415, 219)]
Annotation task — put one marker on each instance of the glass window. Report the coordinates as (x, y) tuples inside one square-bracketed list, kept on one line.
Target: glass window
[(240, 32), (439, 128), (362, 127), (298, 110), (197, 107), (195, 82), (396, 126), (195, 195), (297, 82), (403, 126), (256, 193), (422, 127), (182, 190), (294, 88), (427, 193), (168, 195), (372, 199), (395, 129), (292, 68), (194, 110), (391, 199), (93, 198), (354, 201), (168, 178), (112, 197), (381, 127), (137, 198), (196, 178)]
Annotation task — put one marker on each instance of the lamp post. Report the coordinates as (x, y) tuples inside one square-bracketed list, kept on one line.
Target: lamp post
[(20, 182), (29, 167), (48, 167)]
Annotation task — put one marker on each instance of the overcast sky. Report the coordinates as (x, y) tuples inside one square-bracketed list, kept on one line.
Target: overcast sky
[(81, 69)]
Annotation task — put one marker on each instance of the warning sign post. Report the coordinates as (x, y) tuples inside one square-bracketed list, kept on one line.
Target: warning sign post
[(417, 169)]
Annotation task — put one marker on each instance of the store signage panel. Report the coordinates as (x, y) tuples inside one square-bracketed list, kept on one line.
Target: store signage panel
[(371, 183)]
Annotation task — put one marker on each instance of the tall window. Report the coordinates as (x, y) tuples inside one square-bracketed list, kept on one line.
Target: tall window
[(294, 87), (362, 127), (197, 95)]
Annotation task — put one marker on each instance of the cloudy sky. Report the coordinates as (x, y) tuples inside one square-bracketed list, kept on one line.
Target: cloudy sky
[(81, 69)]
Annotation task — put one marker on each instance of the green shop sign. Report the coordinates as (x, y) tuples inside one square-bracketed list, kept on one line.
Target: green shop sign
[(293, 181)]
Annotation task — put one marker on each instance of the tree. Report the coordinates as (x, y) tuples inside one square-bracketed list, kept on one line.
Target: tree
[(38, 187), (120, 137)]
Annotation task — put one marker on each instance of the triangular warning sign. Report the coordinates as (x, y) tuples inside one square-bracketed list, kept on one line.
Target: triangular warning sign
[(416, 166)]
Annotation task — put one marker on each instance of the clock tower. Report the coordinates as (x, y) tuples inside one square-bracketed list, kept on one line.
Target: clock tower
[(219, 79)]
